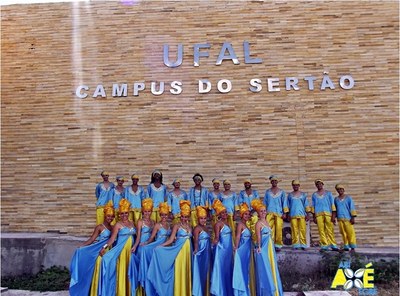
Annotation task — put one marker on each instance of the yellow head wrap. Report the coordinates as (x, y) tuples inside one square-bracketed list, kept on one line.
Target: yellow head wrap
[(227, 182), (339, 186), (218, 206), (147, 204), (243, 209), (257, 204), (215, 180), (108, 209), (201, 212), (318, 180), (295, 182), (104, 173), (163, 208), (134, 176), (184, 205), (274, 178), (124, 205), (247, 181)]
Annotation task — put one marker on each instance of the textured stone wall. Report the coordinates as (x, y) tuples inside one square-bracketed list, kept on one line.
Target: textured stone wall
[(54, 144)]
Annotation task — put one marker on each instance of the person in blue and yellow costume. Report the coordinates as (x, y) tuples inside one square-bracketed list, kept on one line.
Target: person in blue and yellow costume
[(346, 213), (135, 194), (159, 235), (298, 215), (229, 200), (268, 281), (119, 265), (174, 197), (170, 270), (144, 228), (242, 274), (103, 192), (247, 195), (85, 259), (276, 203), (324, 210), (157, 191), (201, 255), (117, 194), (221, 276), (213, 195), (198, 196)]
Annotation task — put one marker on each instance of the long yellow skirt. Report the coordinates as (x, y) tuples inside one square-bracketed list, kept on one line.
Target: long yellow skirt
[(183, 271)]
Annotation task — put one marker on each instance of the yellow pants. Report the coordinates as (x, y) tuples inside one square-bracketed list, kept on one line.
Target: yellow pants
[(276, 224), (135, 215), (231, 223), (155, 216), (177, 219), (349, 236), (326, 234), (99, 215), (193, 218), (298, 232)]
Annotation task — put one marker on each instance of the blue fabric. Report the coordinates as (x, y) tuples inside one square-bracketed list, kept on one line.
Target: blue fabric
[(103, 194), (298, 205), (173, 201), (135, 198), (221, 277), (241, 268), (161, 269), (275, 203), (116, 197), (83, 263), (108, 277), (145, 257), (266, 285), (198, 197), (158, 195), (229, 201), (201, 265), (243, 197)]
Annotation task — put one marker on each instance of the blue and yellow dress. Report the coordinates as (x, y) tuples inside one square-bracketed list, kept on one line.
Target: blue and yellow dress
[(119, 266), (201, 266), (145, 257), (170, 268), (83, 265), (267, 274), (221, 276), (241, 267), (144, 236)]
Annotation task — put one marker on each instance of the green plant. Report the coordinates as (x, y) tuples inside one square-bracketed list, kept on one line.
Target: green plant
[(55, 278)]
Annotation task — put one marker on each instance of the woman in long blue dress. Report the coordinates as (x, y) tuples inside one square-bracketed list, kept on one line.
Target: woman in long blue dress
[(119, 265), (201, 254), (267, 273), (144, 229), (221, 276), (170, 268), (83, 263), (160, 233)]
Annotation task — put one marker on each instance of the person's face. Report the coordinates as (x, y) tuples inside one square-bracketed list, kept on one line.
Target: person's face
[(246, 216), (262, 212), (146, 214), (319, 185), (197, 181), (227, 186), (164, 217), (105, 177), (274, 183), (177, 185), (135, 181), (216, 186), (124, 216), (340, 191), (247, 185), (184, 219), (120, 182), (296, 187), (109, 218), (223, 214), (157, 176), (202, 221)]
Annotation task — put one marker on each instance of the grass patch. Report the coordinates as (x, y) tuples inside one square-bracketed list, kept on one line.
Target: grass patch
[(55, 278)]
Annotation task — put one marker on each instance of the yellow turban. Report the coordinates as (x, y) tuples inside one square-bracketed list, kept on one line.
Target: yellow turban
[(318, 181), (124, 205), (218, 206), (295, 182), (134, 176), (163, 208), (339, 186), (227, 182), (257, 204), (104, 173), (201, 212), (108, 209), (247, 181), (184, 205), (147, 204), (215, 180), (243, 209)]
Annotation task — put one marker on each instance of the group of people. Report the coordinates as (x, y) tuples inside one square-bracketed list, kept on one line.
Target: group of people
[(152, 241)]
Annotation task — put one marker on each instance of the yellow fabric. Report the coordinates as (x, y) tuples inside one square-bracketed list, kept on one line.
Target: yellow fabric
[(184, 205), (99, 215), (177, 219), (124, 205), (251, 224), (232, 225), (273, 265), (135, 215), (193, 218), (325, 230), (298, 230), (116, 218), (155, 216), (347, 231), (147, 204), (123, 285), (95, 279), (183, 271), (276, 224)]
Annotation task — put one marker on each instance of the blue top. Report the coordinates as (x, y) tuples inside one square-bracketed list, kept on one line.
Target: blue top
[(298, 205), (276, 203), (103, 194), (322, 205), (245, 198), (135, 198), (198, 197), (157, 194), (229, 201), (116, 197), (173, 201), (345, 208)]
